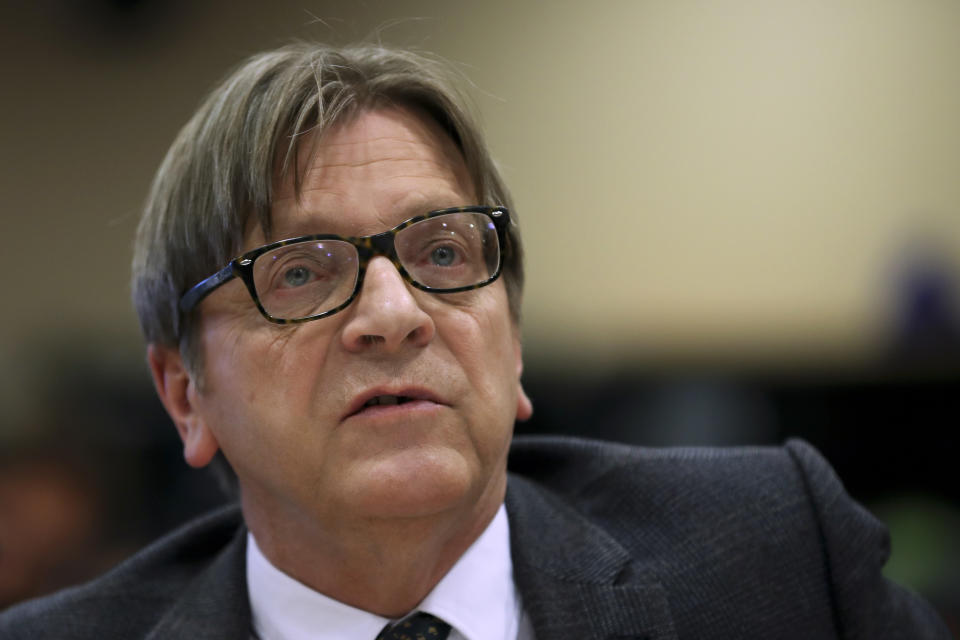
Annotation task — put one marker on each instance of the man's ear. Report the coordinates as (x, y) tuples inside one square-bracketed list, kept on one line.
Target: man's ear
[(524, 406), (178, 393)]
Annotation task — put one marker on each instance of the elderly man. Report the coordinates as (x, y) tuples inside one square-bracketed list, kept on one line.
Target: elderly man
[(328, 274)]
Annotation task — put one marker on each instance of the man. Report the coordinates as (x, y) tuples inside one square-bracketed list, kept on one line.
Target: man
[(358, 368)]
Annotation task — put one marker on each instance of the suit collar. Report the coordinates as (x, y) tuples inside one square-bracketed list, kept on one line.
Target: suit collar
[(215, 605), (576, 581)]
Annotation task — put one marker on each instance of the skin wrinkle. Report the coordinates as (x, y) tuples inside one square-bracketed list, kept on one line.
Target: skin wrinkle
[(449, 158), (359, 165), (341, 226), (373, 163), (419, 203)]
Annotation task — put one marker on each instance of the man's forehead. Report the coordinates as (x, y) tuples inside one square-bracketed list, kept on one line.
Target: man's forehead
[(351, 150), (394, 160)]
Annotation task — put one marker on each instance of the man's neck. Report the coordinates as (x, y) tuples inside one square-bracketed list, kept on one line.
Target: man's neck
[(385, 566)]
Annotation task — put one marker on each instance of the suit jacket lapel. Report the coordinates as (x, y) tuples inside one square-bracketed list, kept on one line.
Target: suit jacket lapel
[(575, 580), (215, 605)]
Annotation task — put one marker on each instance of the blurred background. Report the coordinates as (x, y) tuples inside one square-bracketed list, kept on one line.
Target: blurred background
[(742, 222)]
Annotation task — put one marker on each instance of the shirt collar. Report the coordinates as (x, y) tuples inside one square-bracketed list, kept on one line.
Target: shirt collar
[(477, 597), (284, 609)]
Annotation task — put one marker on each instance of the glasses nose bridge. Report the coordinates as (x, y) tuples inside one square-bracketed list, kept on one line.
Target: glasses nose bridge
[(381, 244)]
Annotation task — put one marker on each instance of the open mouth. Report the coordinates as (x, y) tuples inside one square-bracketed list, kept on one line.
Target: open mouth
[(423, 398)]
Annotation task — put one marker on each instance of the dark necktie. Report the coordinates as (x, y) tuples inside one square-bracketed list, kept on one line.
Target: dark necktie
[(419, 626)]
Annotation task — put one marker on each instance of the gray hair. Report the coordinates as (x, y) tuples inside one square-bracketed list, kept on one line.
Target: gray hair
[(218, 175)]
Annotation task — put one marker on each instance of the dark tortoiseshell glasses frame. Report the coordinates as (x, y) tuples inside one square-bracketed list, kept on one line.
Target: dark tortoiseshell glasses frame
[(381, 244)]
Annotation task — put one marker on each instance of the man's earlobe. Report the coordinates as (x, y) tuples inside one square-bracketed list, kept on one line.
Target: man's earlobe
[(524, 406), (178, 393)]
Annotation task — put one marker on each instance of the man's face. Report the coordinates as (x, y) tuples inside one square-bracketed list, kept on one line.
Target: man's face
[(286, 403)]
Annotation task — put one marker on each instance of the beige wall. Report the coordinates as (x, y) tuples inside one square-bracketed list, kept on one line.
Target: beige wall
[(713, 179)]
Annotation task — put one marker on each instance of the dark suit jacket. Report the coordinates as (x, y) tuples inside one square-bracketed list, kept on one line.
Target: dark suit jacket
[(608, 541)]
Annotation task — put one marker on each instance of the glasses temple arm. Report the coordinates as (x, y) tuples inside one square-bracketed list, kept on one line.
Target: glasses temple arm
[(205, 287)]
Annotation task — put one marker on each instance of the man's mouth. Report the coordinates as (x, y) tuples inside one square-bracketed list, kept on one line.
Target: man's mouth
[(381, 399), (386, 400)]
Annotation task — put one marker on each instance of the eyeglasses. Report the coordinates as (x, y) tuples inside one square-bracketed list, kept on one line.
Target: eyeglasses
[(312, 277)]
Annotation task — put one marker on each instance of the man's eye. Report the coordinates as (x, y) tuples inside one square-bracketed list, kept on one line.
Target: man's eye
[(443, 256), (296, 277)]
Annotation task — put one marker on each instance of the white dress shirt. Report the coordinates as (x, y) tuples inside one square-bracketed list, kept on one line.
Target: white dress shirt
[(477, 597)]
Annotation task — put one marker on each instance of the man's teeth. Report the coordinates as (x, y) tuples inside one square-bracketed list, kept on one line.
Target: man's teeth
[(386, 400)]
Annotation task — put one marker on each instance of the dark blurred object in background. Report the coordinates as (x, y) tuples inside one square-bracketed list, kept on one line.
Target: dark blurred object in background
[(90, 473), (926, 307), (50, 525), (112, 25)]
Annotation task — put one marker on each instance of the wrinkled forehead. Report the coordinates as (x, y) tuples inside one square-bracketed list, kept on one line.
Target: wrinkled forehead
[(391, 160)]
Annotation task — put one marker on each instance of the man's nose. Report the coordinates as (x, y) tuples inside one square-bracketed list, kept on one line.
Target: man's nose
[(386, 315)]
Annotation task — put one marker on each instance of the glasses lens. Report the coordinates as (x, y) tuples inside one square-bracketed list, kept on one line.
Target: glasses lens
[(305, 279), (450, 251)]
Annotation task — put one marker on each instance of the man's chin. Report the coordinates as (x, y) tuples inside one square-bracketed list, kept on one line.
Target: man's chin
[(422, 482)]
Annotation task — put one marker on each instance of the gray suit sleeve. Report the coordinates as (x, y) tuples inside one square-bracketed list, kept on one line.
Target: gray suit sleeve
[(856, 545)]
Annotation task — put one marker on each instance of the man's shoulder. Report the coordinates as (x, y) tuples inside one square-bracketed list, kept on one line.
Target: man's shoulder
[(708, 533), (574, 466), (127, 600), (665, 497)]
